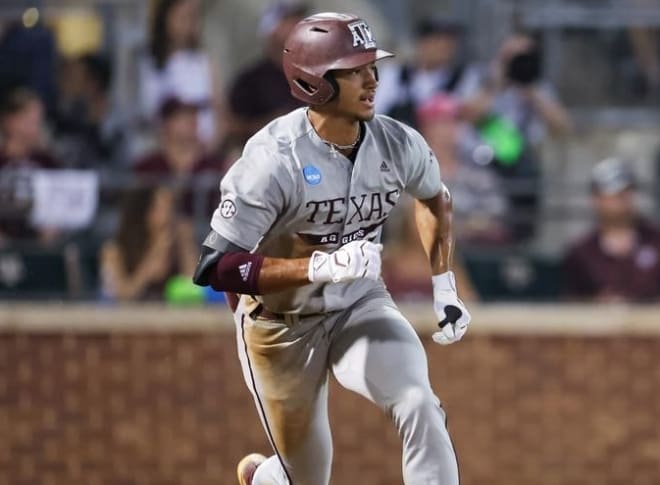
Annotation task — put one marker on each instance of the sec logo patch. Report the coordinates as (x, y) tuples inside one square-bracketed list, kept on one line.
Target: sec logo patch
[(312, 175), (227, 209)]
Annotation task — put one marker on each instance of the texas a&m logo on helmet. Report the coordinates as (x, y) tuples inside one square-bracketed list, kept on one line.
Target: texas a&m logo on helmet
[(362, 36)]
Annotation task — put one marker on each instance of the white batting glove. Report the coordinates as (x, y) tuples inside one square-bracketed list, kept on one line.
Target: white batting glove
[(357, 259), (453, 317)]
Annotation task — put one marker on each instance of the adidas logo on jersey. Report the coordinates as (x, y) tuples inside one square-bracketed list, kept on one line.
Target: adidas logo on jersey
[(384, 167), (244, 269)]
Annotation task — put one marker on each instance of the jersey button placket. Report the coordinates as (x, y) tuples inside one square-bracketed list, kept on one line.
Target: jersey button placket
[(352, 188)]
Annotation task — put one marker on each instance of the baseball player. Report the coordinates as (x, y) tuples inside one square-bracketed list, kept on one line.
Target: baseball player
[(296, 235)]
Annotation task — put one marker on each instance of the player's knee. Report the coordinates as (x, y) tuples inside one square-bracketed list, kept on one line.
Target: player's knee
[(414, 399)]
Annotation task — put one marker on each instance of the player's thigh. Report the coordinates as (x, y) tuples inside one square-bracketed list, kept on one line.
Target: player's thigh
[(286, 371), (377, 353)]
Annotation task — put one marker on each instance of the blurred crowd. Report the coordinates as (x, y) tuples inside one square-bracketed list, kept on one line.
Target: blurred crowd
[(135, 190)]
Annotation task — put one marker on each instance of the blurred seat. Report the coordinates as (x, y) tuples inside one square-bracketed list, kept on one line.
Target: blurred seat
[(513, 276), (31, 272)]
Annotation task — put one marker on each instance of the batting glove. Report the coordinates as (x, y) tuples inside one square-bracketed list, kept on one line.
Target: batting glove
[(357, 259), (453, 317)]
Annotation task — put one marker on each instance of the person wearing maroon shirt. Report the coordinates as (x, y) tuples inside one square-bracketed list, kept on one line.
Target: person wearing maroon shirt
[(21, 152), (619, 261), (260, 92), (180, 156)]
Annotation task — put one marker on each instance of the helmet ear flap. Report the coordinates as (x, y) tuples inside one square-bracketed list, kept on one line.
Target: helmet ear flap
[(304, 85)]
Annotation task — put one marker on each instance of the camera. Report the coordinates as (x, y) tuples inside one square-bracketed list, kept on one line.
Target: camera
[(525, 68)]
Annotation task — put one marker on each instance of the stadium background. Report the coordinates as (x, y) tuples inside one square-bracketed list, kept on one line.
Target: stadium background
[(540, 392)]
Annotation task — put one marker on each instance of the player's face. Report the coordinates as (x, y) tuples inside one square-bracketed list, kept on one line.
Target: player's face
[(357, 90)]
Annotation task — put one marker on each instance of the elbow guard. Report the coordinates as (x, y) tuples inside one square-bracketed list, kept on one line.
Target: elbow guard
[(208, 259), (213, 248)]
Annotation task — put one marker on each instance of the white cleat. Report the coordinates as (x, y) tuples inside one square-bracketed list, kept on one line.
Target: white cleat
[(247, 466)]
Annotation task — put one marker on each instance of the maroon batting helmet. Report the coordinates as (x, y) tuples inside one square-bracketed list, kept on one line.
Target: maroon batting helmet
[(324, 42)]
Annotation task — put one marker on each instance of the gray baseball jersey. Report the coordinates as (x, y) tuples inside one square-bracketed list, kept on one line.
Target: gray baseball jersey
[(290, 194)]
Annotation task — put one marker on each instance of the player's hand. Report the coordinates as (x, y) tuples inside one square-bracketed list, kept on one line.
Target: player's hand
[(357, 259), (453, 317)]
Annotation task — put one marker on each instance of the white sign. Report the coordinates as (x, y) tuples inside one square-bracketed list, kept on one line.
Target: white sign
[(65, 199)]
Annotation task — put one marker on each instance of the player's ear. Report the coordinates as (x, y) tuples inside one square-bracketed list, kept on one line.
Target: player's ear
[(330, 77)]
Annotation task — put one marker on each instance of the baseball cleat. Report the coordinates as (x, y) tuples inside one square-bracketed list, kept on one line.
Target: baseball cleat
[(247, 466)]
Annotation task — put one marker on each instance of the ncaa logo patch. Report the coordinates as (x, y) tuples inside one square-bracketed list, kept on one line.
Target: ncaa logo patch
[(312, 175)]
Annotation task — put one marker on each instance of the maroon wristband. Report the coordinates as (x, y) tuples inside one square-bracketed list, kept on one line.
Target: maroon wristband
[(237, 273)]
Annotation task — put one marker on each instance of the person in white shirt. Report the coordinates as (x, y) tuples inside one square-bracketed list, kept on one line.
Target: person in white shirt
[(177, 66), (436, 68)]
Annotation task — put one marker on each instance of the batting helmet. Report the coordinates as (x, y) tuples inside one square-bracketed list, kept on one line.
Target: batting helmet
[(321, 43)]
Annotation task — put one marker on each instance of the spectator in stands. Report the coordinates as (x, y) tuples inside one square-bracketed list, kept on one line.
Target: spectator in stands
[(406, 266), (28, 58), (620, 259), (150, 247), (645, 43), (22, 150), (260, 92), (480, 205), (178, 66), (89, 134), (437, 68), (181, 157), (512, 111)]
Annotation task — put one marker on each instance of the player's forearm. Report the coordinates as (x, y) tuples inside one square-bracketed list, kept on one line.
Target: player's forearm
[(278, 274), (250, 274), (254, 274), (434, 224)]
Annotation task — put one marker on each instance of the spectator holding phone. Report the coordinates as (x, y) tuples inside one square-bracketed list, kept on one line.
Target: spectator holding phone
[(513, 111)]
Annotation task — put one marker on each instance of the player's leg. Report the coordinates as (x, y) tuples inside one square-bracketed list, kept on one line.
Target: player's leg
[(376, 353), (311, 465), (285, 368)]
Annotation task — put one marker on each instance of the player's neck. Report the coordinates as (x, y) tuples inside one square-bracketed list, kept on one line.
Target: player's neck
[(336, 130)]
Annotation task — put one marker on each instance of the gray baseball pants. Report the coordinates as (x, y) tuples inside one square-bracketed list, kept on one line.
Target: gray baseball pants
[(372, 350)]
